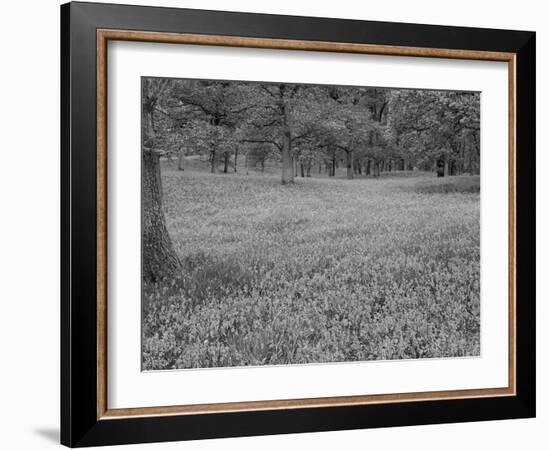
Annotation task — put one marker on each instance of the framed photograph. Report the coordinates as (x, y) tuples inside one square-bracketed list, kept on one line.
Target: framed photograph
[(276, 224)]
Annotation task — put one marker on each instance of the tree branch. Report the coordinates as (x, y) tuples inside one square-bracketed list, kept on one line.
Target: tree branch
[(241, 110), (193, 102), (263, 141), (263, 88)]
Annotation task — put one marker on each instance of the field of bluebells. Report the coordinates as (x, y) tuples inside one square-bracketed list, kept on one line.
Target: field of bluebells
[(326, 270)]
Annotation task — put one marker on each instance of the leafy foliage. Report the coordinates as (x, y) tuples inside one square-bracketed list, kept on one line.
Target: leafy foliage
[(429, 125), (364, 126)]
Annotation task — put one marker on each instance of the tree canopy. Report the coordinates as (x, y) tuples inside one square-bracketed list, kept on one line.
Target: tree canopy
[(366, 129)]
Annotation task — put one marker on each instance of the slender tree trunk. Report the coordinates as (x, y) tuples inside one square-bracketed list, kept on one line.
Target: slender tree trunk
[(235, 160), (287, 160), (225, 162), (213, 161), (302, 169), (333, 174), (446, 167), (246, 162), (181, 160), (466, 161), (349, 163)]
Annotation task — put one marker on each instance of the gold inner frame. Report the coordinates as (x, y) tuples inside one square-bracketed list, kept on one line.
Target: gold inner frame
[(104, 35)]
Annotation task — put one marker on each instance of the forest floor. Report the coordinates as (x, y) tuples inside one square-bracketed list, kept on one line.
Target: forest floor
[(325, 270)]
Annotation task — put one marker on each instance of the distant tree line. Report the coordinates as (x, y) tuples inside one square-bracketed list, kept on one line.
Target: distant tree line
[(301, 127)]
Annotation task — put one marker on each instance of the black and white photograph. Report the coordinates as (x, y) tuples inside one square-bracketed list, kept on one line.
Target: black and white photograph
[(275, 225), (298, 224)]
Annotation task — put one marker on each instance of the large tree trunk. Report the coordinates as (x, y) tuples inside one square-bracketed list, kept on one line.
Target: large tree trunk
[(349, 162), (287, 160), (159, 260)]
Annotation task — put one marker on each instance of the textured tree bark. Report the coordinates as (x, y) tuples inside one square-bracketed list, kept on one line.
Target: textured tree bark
[(287, 160), (159, 260)]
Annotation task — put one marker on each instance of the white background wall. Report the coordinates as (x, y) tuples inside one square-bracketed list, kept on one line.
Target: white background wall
[(29, 224)]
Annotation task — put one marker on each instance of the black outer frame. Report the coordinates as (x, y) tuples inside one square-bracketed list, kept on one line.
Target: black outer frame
[(79, 424)]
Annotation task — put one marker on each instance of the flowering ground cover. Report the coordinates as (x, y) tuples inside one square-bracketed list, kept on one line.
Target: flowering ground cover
[(324, 270)]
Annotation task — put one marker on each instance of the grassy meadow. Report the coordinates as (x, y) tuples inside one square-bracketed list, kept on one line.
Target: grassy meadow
[(325, 270)]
